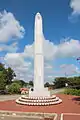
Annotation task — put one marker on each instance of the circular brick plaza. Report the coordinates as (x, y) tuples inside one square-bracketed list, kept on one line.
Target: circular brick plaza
[(68, 109)]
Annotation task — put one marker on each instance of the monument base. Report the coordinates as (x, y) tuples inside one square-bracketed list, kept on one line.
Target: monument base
[(39, 97), (39, 93), (52, 100)]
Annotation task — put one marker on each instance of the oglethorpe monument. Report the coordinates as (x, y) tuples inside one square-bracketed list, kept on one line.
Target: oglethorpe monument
[(39, 95)]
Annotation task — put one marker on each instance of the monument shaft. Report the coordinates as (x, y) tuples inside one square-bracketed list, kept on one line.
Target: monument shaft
[(38, 53), (39, 89)]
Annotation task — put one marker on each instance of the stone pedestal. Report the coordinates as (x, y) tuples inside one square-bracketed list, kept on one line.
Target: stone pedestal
[(39, 93)]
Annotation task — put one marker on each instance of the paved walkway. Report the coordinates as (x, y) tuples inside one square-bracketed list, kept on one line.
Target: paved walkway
[(69, 109), (13, 97), (56, 91), (8, 97), (17, 118), (70, 105), (70, 116)]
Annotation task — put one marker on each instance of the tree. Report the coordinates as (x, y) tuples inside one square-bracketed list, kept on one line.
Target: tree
[(9, 75), (72, 82), (31, 83), (2, 77), (2, 82), (26, 84), (14, 88), (6, 76), (20, 82), (23, 83), (46, 84), (2, 67), (60, 82)]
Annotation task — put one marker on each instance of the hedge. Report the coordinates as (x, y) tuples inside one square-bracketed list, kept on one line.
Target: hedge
[(72, 92)]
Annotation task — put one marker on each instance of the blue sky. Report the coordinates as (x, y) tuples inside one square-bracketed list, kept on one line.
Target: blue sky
[(61, 24)]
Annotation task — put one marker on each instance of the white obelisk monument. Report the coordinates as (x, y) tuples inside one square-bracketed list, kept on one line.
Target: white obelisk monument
[(39, 95), (39, 89)]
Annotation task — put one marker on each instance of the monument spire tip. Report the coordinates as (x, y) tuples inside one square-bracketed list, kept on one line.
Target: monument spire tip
[(38, 13)]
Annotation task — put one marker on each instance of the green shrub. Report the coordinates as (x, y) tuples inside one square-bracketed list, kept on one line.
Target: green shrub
[(72, 92), (2, 83), (14, 88)]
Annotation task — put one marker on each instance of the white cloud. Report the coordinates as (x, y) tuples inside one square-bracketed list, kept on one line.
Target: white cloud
[(47, 65), (69, 69), (9, 48), (14, 44), (14, 59), (69, 48), (10, 28), (49, 49), (65, 70), (22, 68), (28, 51), (75, 5), (19, 65)]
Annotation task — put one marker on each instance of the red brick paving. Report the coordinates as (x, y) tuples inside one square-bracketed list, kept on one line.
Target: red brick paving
[(67, 106), (71, 117)]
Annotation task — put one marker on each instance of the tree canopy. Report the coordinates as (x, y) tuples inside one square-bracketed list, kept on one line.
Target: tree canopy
[(6, 76), (72, 81)]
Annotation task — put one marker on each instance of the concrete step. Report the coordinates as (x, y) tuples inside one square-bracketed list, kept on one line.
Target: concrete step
[(36, 101), (36, 98), (39, 103)]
